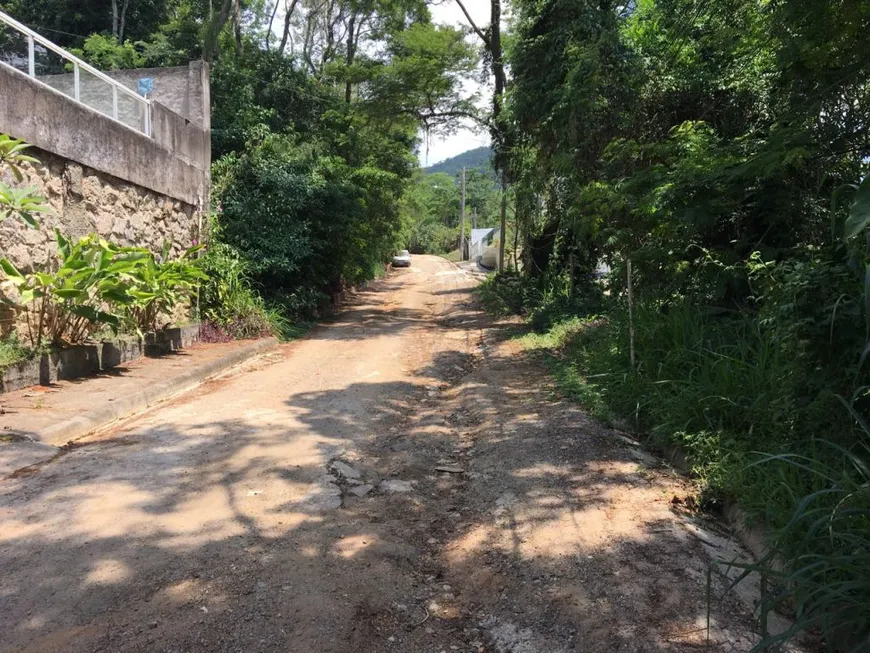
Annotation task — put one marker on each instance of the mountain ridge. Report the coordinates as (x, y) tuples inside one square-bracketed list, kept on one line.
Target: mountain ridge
[(479, 157)]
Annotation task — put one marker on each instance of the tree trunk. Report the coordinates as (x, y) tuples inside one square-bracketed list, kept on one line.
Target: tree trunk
[(497, 60), (503, 238), (462, 221), (308, 43), (286, 33), (351, 53), (237, 26), (123, 21), (630, 315), (214, 29), (116, 15), (497, 129), (271, 22)]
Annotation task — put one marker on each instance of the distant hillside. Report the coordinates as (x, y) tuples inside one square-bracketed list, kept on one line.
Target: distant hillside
[(477, 158)]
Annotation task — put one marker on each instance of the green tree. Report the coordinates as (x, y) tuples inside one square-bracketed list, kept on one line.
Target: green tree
[(105, 53)]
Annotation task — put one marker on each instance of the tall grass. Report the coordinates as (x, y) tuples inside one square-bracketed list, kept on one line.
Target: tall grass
[(819, 561), (12, 351), (718, 388), (229, 302), (724, 388)]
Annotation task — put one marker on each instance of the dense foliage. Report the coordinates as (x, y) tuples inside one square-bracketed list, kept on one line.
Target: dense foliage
[(715, 149), (312, 183)]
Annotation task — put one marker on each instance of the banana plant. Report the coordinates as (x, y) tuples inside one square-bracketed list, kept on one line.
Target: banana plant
[(157, 287), (65, 305), (23, 203), (95, 283)]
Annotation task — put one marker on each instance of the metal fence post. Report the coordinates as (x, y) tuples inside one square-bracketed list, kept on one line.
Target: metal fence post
[(31, 57), (76, 90)]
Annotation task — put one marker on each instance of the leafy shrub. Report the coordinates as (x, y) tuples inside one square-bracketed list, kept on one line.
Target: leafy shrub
[(813, 306), (502, 294), (305, 224), (228, 302), (94, 284), (105, 53), (155, 288), (544, 302)]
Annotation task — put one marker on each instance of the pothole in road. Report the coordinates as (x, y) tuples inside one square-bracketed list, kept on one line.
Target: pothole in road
[(325, 495), (451, 367)]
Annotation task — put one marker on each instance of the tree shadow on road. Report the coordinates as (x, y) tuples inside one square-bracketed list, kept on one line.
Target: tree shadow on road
[(222, 536)]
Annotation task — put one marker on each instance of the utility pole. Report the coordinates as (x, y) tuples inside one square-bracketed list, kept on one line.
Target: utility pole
[(503, 227), (462, 221)]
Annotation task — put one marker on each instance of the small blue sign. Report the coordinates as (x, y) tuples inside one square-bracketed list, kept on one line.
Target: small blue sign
[(146, 86)]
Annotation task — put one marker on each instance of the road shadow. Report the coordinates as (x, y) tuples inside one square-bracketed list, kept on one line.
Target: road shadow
[(557, 530), (496, 517), (368, 322)]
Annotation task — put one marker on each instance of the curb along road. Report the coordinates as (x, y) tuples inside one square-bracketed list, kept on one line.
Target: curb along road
[(47, 442)]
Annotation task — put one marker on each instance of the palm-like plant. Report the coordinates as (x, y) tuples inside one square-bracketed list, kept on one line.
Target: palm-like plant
[(23, 203)]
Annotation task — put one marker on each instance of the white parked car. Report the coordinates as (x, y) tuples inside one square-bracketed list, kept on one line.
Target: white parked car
[(402, 259)]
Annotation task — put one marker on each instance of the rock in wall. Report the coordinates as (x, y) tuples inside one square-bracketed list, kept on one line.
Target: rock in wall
[(85, 201)]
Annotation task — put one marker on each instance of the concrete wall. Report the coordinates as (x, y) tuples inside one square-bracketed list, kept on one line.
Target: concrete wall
[(174, 163), (184, 90)]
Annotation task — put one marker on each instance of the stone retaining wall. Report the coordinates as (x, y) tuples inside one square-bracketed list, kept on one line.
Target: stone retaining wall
[(85, 201)]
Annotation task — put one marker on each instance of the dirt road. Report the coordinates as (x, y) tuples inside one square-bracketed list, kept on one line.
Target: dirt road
[(403, 479)]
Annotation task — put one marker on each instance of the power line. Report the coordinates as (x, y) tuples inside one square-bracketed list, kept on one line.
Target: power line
[(36, 28)]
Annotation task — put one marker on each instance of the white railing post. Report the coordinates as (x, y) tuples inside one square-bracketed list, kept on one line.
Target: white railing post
[(31, 56), (76, 89), (115, 102)]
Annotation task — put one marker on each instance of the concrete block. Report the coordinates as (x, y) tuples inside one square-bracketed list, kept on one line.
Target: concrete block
[(83, 360)]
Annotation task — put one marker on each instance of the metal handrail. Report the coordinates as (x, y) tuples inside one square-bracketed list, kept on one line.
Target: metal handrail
[(33, 38)]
